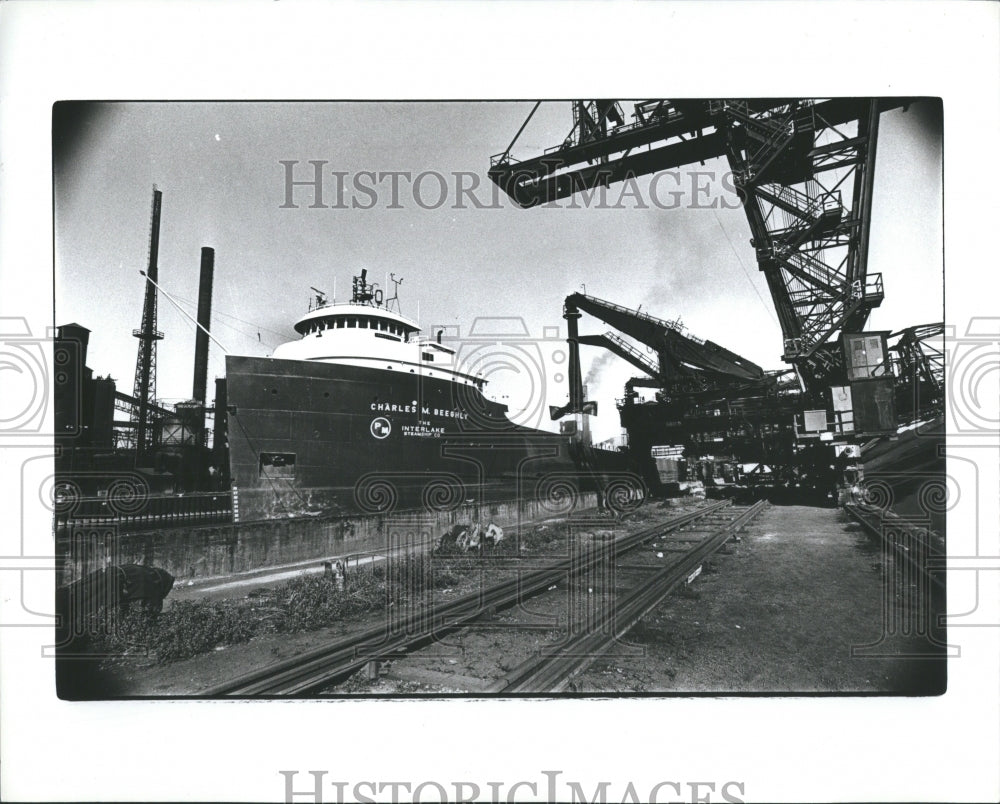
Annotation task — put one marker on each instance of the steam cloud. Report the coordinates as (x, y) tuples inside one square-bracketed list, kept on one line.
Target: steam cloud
[(597, 368)]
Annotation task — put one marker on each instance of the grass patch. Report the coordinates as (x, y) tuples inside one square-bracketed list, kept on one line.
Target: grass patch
[(306, 603)]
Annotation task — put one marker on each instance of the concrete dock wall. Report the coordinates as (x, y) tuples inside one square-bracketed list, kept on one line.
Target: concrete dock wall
[(219, 550)]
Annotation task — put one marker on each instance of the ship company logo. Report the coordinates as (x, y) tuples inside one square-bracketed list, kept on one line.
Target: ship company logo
[(380, 427)]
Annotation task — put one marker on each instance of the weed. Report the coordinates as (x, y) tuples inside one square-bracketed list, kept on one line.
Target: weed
[(306, 603)]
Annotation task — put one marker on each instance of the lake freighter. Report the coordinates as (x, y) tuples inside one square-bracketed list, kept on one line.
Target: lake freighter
[(362, 413)]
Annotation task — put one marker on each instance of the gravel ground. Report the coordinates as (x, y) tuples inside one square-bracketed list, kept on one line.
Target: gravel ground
[(789, 610)]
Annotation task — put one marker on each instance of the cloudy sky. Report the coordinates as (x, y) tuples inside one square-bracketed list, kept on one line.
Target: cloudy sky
[(219, 168)]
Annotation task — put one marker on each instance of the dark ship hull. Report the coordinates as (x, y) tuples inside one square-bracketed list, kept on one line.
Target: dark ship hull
[(309, 437)]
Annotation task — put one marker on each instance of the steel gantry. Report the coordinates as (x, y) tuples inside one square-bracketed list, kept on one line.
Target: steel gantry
[(920, 360), (804, 170), (806, 186)]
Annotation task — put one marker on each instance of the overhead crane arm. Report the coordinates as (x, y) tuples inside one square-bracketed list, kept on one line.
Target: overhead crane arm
[(643, 327), (667, 339), (792, 163), (674, 133), (678, 355)]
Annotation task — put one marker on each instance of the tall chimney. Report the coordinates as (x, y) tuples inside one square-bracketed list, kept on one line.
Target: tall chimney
[(204, 318)]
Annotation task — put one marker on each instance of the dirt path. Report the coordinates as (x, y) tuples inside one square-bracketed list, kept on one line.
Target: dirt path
[(780, 614)]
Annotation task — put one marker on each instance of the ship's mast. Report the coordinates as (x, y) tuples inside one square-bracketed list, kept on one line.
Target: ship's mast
[(365, 292)]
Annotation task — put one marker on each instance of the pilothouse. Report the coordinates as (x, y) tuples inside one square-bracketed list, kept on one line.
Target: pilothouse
[(365, 332)]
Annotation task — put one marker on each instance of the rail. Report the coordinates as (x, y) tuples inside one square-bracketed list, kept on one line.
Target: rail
[(552, 670), (637, 356), (676, 326), (804, 266), (916, 545), (338, 660), (802, 204)]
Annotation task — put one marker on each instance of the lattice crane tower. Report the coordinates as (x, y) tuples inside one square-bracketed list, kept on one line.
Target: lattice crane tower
[(144, 393)]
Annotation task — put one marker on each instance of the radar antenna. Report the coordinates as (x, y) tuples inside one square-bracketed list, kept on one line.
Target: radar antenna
[(320, 299)]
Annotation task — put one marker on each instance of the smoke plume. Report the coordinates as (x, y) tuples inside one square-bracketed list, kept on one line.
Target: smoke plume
[(597, 368)]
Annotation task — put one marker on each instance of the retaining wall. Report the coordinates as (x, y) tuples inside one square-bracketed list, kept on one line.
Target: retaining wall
[(218, 550)]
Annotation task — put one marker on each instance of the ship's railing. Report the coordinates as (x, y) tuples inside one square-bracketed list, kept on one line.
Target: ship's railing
[(144, 513)]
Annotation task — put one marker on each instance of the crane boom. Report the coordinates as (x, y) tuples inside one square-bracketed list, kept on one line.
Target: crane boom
[(681, 359), (793, 162)]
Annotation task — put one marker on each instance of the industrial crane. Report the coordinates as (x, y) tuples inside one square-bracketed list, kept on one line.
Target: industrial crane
[(684, 364), (142, 433), (804, 171)]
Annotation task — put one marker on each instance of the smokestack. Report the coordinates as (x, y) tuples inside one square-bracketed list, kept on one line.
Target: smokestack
[(204, 318)]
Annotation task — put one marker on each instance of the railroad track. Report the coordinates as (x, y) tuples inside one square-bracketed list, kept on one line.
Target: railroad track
[(917, 546), (336, 661), (553, 668)]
